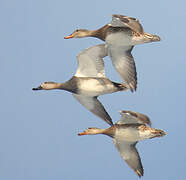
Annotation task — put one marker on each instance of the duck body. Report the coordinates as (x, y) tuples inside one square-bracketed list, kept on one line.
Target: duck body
[(127, 132), (123, 36), (134, 132), (96, 86)]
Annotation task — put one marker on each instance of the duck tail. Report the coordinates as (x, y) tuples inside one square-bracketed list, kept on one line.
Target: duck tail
[(152, 37), (124, 87), (158, 133)]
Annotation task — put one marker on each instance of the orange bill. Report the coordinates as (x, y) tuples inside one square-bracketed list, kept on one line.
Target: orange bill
[(82, 133), (68, 37)]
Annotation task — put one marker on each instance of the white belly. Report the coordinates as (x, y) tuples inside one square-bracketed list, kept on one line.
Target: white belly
[(128, 134), (133, 134), (94, 87)]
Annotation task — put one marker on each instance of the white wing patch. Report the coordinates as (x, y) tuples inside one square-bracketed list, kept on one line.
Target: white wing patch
[(90, 62)]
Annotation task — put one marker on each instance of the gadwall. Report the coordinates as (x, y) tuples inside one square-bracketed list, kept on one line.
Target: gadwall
[(126, 133), (120, 36), (89, 82)]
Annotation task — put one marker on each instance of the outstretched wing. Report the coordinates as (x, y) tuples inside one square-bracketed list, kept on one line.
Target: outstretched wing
[(124, 64), (90, 62), (130, 154), (130, 117), (126, 21), (95, 106)]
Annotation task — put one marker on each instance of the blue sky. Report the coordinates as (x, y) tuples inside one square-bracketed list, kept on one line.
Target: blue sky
[(38, 130)]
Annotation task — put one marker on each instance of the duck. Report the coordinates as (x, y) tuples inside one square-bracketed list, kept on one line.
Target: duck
[(120, 36), (131, 128), (89, 82)]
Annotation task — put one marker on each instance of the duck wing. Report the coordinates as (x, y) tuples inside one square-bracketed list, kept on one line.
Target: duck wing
[(126, 21), (124, 64), (95, 106), (129, 153), (90, 62), (131, 117)]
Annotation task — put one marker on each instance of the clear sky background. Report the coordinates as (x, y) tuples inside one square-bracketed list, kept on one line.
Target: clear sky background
[(38, 130)]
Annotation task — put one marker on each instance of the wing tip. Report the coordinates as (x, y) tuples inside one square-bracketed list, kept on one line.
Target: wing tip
[(139, 172), (133, 86)]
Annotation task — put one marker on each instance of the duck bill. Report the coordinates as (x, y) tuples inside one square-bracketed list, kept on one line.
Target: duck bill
[(82, 133), (38, 88), (68, 37)]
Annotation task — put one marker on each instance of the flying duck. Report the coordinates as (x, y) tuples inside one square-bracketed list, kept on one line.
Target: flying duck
[(131, 128), (89, 82)]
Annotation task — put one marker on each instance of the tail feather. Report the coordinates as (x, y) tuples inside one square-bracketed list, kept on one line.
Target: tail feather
[(152, 37), (123, 87), (158, 133)]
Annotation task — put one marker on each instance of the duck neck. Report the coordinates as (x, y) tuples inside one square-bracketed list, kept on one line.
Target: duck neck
[(110, 131), (66, 86), (62, 86), (70, 85), (98, 33), (101, 131), (93, 33), (101, 32), (97, 131)]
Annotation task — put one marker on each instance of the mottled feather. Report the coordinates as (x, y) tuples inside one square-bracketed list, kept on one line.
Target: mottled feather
[(130, 117), (126, 21)]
